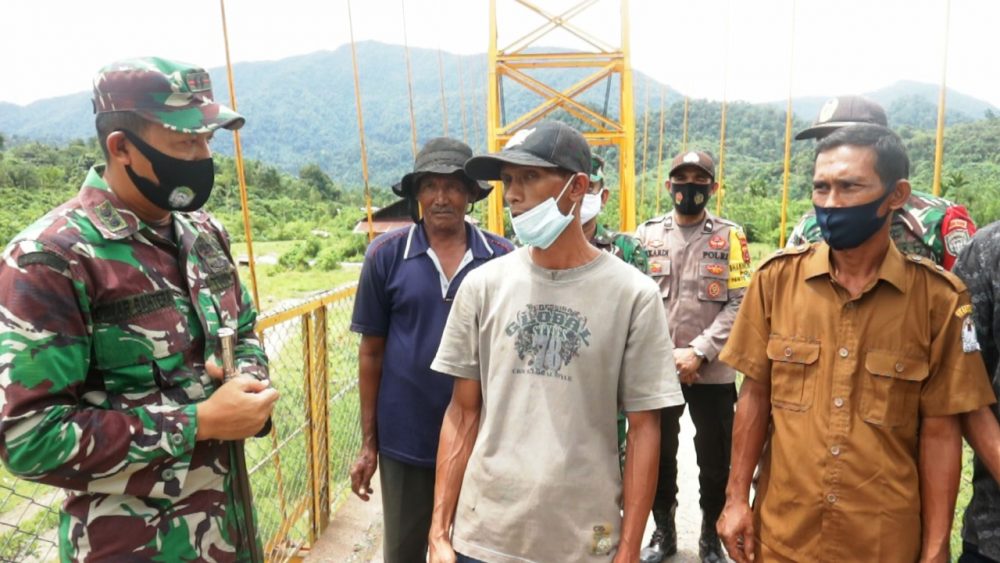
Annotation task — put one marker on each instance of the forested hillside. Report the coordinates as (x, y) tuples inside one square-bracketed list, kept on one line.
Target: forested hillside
[(304, 172), (301, 110)]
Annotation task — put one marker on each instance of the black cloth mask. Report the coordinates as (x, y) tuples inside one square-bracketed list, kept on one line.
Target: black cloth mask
[(690, 199), (844, 228), (184, 184)]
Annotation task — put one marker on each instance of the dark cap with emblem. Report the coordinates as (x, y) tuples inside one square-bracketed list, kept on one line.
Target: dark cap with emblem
[(842, 111), (549, 144), (698, 159), (174, 94), (441, 155)]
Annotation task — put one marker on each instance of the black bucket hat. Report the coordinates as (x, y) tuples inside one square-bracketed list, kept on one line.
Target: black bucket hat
[(441, 155)]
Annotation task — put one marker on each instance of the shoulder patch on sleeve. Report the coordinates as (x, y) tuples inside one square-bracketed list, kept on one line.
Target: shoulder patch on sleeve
[(54, 261)]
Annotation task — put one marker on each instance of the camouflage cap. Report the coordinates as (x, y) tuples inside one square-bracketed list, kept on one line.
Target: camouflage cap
[(175, 94), (596, 168)]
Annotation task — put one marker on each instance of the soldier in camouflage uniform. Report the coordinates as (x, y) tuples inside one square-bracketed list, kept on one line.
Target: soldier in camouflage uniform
[(621, 245), (930, 226), (109, 309)]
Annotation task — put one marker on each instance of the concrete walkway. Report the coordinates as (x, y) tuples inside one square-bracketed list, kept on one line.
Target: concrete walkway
[(354, 535)]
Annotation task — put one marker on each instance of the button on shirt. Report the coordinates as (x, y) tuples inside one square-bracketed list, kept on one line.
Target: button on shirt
[(703, 271), (848, 389), (404, 296)]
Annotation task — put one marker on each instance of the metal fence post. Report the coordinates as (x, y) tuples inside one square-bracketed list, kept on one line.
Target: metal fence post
[(317, 397)]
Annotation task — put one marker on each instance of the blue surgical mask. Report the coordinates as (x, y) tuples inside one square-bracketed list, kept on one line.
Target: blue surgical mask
[(541, 225), (844, 228)]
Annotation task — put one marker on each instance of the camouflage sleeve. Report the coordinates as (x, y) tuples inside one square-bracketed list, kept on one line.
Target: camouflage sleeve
[(633, 252), (57, 425), (801, 231)]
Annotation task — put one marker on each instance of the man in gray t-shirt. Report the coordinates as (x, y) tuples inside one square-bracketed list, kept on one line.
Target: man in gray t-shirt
[(527, 466)]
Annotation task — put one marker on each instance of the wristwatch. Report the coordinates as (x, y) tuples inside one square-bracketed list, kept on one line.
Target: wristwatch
[(699, 353)]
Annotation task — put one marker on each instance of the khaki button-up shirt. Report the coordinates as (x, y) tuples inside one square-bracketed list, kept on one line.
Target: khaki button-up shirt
[(850, 380), (702, 272)]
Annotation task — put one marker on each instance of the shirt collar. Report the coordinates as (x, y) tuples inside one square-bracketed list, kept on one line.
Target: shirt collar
[(417, 243), (892, 269), (108, 214)]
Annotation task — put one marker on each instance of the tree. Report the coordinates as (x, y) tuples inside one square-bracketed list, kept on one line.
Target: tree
[(313, 175)]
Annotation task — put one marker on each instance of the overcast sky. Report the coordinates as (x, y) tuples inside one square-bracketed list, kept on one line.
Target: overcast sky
[(53, 47)]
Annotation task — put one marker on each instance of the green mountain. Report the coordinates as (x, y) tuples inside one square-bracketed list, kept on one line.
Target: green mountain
[(301, 110)]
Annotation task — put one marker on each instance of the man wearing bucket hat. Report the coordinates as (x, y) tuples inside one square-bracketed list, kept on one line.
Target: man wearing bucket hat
[(408, 281), (111, 307), (526, 468), (702, 264), (930, 226)]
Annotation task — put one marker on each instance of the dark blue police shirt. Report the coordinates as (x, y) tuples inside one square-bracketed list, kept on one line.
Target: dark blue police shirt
[(400, 296)]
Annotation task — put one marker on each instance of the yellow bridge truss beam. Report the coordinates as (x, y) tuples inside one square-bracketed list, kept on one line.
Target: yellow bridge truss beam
[(600, 130)]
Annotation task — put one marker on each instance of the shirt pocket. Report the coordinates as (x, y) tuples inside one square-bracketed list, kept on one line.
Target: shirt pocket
[(659, 270), (793, 372), (712, 277), (131, 333), (890, 392)]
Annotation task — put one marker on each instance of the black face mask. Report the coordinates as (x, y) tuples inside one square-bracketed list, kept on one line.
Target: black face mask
[(690, 199), (184, 184), (844, 228)]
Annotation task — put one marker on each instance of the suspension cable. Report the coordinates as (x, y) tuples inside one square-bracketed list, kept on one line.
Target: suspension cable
[(645, 146), (240, 175), (721, 178), (659, 150), (444, 104), (461, 99), (361, 127), (409, 82), (786, 177), (939, 135), (684, 137)]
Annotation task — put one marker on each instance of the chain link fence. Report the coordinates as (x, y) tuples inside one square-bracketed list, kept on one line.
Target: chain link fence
[(299, 473)]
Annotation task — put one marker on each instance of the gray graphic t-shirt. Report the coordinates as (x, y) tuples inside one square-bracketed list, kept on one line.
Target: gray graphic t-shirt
[(556, 352)]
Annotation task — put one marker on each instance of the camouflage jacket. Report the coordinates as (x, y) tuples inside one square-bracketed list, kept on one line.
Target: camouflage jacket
[(926, 225), (105, 326), (622, 245), (979, 268)]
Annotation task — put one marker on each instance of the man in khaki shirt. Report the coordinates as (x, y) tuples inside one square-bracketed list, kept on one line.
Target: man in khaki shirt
[(861, 359), (702, 264)]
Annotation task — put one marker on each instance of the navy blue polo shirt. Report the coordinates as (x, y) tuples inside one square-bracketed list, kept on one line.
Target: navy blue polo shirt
[(403, 296)]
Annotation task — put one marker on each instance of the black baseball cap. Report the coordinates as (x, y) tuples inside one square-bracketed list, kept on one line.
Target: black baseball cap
[(441, 155), (549, 144), (842, 111)]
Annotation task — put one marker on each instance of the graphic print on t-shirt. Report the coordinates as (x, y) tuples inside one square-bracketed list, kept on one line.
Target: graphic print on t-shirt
[(548, 337)]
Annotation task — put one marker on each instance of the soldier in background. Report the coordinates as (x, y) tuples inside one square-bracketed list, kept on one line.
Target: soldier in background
[(930, 226), (622, 245), (702, 265), (110, 307)]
